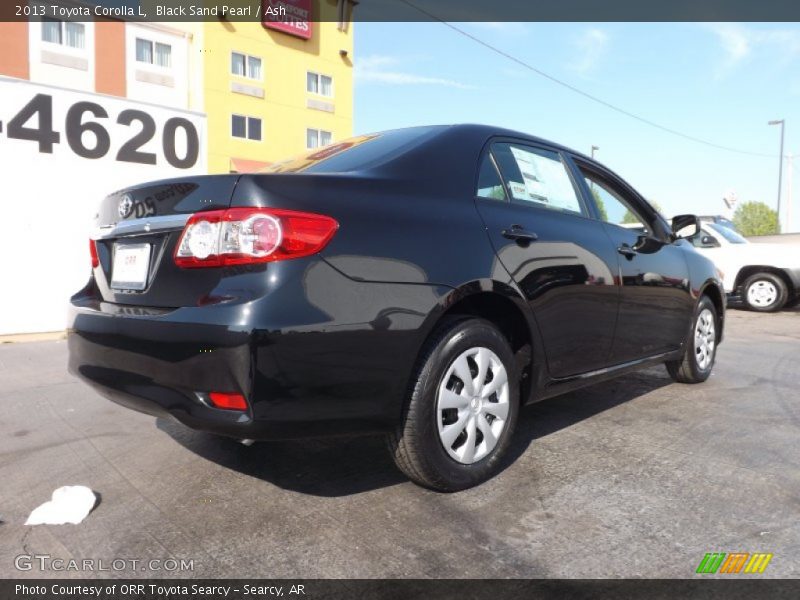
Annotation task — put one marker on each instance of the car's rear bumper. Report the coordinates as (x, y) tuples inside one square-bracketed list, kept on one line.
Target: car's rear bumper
[(304, 372), (147, 361)]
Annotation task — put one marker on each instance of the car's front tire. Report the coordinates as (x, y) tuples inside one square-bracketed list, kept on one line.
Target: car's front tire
[(701, 347), (765, 292), (462, 410)]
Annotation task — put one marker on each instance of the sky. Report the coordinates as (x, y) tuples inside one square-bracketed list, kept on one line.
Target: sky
[(718, 82)]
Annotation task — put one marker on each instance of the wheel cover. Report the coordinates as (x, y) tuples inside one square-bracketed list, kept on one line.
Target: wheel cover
[(705, 337), (762, 293), (472, 405)]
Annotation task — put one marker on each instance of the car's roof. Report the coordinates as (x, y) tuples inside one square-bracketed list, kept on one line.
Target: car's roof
[(440, 156), (486, 131)]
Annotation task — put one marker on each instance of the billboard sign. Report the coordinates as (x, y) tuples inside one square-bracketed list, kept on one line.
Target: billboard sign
[(62, 152), (289, 16)]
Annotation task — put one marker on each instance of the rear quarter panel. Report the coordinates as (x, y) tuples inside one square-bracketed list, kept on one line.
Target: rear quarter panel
[(401, 256)]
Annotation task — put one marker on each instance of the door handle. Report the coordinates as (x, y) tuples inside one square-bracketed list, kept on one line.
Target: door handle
[(626, 251), (518, 234)]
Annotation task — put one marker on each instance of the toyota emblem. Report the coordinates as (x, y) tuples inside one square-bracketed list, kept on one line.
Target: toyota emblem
[(125, 206)]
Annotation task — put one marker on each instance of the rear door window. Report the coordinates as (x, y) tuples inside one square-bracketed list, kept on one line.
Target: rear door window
[(489, 183), (537, 176)]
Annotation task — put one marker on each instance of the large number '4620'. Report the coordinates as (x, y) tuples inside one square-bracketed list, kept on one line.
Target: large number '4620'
[(42, 106)]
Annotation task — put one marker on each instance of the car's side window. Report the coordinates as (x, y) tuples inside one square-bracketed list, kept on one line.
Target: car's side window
[(537, 176), (489, 182), (613, 207)]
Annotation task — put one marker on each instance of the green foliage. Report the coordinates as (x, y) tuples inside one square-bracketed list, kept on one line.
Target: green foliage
[(629, 218), (756, 218), (498, 193), (601, 207)]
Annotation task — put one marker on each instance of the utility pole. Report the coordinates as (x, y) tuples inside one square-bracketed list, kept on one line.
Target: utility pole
[(789, 177), (594, 148), (782, 123)]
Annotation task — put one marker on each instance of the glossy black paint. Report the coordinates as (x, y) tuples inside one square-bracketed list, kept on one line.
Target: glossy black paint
[(327, 344)]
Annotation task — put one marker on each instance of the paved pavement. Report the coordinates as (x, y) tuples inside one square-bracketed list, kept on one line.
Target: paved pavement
[(638, 477)]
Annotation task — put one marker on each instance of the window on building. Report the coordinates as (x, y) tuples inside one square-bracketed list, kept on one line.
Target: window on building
[(64, 33), (319, 84), (244, 65), (316, 138), (247, 128), (153, 53)]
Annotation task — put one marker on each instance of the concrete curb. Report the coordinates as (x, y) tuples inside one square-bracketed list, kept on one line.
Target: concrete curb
[(47, 336)]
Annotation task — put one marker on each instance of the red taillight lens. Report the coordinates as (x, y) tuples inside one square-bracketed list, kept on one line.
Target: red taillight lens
[(93, 254), (251, 235), (228, 401)]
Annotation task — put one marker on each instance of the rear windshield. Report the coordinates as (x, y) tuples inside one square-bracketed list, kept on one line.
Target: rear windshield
[(357, 153)]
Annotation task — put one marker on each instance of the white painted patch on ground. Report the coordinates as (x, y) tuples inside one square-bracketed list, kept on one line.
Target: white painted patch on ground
[(69, 504)]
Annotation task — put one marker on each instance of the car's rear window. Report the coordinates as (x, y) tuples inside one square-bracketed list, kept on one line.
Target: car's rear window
[(357, 153)]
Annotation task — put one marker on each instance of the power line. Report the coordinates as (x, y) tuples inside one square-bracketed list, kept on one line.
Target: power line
[(581, 92)]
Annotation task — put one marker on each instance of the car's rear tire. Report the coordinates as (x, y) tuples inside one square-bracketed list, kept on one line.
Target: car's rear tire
[(765, 292), (462, 409), (701, 346)]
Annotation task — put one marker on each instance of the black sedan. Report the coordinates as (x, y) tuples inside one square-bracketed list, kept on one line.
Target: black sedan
[(421, 283)]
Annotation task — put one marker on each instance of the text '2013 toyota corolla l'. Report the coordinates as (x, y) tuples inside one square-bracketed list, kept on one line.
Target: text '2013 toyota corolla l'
[(421, 283)]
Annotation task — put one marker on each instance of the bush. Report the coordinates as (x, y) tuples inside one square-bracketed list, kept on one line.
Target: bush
[(756, 218)]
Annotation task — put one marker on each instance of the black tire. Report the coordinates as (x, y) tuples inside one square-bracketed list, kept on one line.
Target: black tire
[(415, 445), (688, 369), (766, 279)]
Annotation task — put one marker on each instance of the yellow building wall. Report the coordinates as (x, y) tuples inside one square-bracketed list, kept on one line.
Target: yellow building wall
[(285, 62), (194, 30)]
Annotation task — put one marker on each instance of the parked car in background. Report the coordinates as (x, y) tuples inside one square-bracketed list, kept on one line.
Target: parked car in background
[(421, 283), (765, 277), (720, 220)]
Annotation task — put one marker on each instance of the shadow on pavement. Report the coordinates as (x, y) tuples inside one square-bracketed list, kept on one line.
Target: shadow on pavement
[(344, 466)]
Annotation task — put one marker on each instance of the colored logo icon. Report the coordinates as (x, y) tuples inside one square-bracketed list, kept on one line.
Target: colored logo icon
[(733, 563)]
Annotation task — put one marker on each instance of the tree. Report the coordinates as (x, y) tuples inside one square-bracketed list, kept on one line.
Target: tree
[(629, 218), (601, 207), (756, 218)]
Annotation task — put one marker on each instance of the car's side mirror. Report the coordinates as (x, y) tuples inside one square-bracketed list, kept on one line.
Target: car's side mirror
[(685, 226), (709, 241)]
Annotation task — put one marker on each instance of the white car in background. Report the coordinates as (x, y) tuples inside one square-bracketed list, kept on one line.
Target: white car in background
[(766, 277)]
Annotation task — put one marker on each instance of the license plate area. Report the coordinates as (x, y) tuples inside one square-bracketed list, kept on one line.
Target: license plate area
[(131, 266)]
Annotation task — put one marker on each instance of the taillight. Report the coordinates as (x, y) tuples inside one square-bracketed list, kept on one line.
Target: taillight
[(93, 254), (240, 236), (227, 401)]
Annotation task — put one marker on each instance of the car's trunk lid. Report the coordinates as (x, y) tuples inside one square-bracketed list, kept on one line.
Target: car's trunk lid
[(140, 226)]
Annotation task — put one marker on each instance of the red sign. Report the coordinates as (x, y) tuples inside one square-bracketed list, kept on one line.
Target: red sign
[(329, 151), (290, 16)]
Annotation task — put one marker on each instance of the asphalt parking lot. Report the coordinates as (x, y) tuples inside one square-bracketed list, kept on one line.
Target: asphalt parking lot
[(638, 477)]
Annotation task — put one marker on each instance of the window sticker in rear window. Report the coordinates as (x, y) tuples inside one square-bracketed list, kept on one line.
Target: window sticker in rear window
[(545, 180)]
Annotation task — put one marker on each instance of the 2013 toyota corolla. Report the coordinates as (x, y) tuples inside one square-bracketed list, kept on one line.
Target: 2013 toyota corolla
[(423, 283)]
